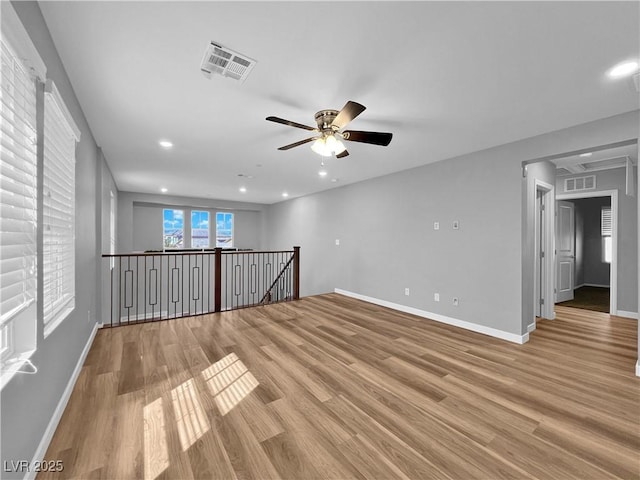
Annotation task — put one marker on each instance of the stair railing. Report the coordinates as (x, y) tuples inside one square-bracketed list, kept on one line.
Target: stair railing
[(155, 286)]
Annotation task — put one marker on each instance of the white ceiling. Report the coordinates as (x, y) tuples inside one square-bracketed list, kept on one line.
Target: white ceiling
[(614, 157), (447, 78)]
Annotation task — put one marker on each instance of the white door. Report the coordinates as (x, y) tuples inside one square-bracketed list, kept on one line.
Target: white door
[(566, 243)]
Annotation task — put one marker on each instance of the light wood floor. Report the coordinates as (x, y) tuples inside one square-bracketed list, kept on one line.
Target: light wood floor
[(331, 387)]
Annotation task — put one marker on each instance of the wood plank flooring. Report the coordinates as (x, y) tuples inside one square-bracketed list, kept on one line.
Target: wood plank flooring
[(329, 387), (590, 298)]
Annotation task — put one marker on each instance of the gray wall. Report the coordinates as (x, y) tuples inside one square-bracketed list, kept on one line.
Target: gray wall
[(140, 220), (28, 402), (105, 185), (627, 235), (387, 240), (543, 171), (594, 271)]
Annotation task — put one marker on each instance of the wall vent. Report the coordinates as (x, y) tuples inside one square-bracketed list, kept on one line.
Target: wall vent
[(578, 184), (219, 60)]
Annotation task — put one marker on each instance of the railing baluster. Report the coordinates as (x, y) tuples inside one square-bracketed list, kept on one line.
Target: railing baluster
[(235, 279)]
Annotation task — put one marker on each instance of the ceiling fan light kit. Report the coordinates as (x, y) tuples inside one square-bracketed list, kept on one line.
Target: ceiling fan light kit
[(329, 127), (328, 146)]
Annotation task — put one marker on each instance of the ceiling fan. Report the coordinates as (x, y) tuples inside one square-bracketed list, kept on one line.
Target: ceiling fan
[(330, 129)]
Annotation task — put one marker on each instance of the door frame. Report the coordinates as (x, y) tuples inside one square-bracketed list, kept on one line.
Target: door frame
[(547, 278), (613, 273)]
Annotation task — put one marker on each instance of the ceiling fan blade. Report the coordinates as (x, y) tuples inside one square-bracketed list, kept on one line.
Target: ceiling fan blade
[(343, 154), (375, 138), (290, 123), (350, 111), (297, 144)]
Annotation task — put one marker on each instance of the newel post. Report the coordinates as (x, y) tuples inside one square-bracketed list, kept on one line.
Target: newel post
[(296, 273), (217, 293)]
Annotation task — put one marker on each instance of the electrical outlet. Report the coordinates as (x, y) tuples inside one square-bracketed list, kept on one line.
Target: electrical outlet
[(456, 224), (406, 292), (455, 301), (337, 241), (436, 225), (436, 297)]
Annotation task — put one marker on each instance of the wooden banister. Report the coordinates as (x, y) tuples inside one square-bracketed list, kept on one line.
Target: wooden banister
[(296, 273)]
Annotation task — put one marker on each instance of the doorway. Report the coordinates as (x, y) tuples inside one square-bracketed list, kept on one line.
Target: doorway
[(543, 248), (587, 256)]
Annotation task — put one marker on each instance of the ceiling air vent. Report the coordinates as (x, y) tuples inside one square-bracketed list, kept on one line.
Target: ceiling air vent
[(223, 61), (561, 171), (577, 184)]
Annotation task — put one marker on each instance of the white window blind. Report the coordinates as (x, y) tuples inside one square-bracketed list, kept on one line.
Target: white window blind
[(606, 230), (58, 241), (606, 222), (18, 191)]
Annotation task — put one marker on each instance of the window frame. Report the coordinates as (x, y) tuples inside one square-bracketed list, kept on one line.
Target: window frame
[(172, 247), (60, 139), (606, 231), (208, 215), (20, 329), (233, 226)]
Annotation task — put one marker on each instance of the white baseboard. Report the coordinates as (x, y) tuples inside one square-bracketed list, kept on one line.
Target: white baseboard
[(493, 332), (531, 327), (623, 313), (594, 285), (638, 368), (57, 414)]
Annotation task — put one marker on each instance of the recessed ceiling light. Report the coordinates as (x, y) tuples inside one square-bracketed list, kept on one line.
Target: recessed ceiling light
[(165, 144), (623, 69), (163, 190), (334, 180), (285, 194), (588, 154), (243, 189), (322, 173)]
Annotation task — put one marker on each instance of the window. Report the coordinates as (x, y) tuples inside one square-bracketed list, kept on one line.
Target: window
[(606, 230), (173, 228), (18, 199), (58, 203), (199, 229), (112, 224), (224, 229)]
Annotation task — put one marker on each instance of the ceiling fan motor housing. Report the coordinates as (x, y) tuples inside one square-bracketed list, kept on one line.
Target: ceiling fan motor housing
[(324, 119)]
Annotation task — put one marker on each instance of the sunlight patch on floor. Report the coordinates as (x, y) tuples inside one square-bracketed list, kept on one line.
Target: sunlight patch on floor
[(230, 381), (190, 417)]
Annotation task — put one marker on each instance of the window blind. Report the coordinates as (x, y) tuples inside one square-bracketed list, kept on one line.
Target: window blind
[(58, 268), (605, 222), (18, 187)]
